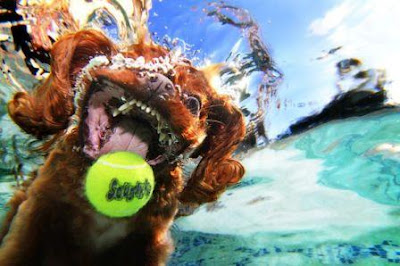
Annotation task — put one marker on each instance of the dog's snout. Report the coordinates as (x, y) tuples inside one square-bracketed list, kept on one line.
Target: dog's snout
[(160, 85)]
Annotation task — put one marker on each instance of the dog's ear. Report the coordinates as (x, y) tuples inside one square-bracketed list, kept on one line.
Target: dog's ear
[(47, 109), (217, 169)]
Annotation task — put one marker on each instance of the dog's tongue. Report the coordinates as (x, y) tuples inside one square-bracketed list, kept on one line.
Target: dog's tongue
[(128, 135)]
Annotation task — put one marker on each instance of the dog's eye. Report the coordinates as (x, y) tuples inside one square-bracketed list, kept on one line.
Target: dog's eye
[(193, 104)]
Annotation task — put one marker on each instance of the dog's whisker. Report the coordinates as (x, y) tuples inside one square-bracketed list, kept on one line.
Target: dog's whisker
[(215, 121), (212, 106)]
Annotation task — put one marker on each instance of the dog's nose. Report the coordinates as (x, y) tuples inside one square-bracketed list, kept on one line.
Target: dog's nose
[(161, 86)]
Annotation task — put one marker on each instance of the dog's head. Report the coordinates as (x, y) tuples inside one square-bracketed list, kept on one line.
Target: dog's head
[(143, 100)]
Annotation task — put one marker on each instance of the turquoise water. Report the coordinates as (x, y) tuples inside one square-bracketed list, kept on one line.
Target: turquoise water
[(353, 159), (326, 197)]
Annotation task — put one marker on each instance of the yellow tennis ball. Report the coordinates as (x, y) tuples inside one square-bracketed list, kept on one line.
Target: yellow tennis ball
[(119, 184)]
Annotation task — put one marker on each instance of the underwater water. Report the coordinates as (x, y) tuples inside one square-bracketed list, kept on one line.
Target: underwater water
[(326, 195)]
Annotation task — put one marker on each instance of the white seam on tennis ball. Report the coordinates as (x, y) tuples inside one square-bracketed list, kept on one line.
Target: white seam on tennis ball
[(127, 167)]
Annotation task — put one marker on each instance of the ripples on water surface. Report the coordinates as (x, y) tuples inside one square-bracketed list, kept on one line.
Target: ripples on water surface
[(321, 190)]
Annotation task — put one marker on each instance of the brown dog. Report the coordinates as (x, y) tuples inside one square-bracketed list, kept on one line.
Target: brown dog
[(98, 100)]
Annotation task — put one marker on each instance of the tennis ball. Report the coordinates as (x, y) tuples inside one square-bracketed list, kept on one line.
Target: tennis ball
[(119, 184)]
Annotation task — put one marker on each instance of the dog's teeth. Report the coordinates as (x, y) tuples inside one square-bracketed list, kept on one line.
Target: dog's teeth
[(127, 110), (178, 88), (153, 112), (90, 78), (133, 102), (162, 137), (164, 69), (169, 142), (158, 116), (148, 109), (143, 106), (140, 61), (138, 103), (123, 107), (115, 112)]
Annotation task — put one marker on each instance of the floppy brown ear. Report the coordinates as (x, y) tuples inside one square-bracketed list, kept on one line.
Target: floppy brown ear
[(217, 169), (47, 109)]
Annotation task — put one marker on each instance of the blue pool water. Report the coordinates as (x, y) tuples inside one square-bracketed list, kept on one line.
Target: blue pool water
[(328, 196)]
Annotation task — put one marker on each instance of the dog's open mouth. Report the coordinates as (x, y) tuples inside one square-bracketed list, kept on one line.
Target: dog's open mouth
[(115, 120), (127, 104)]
